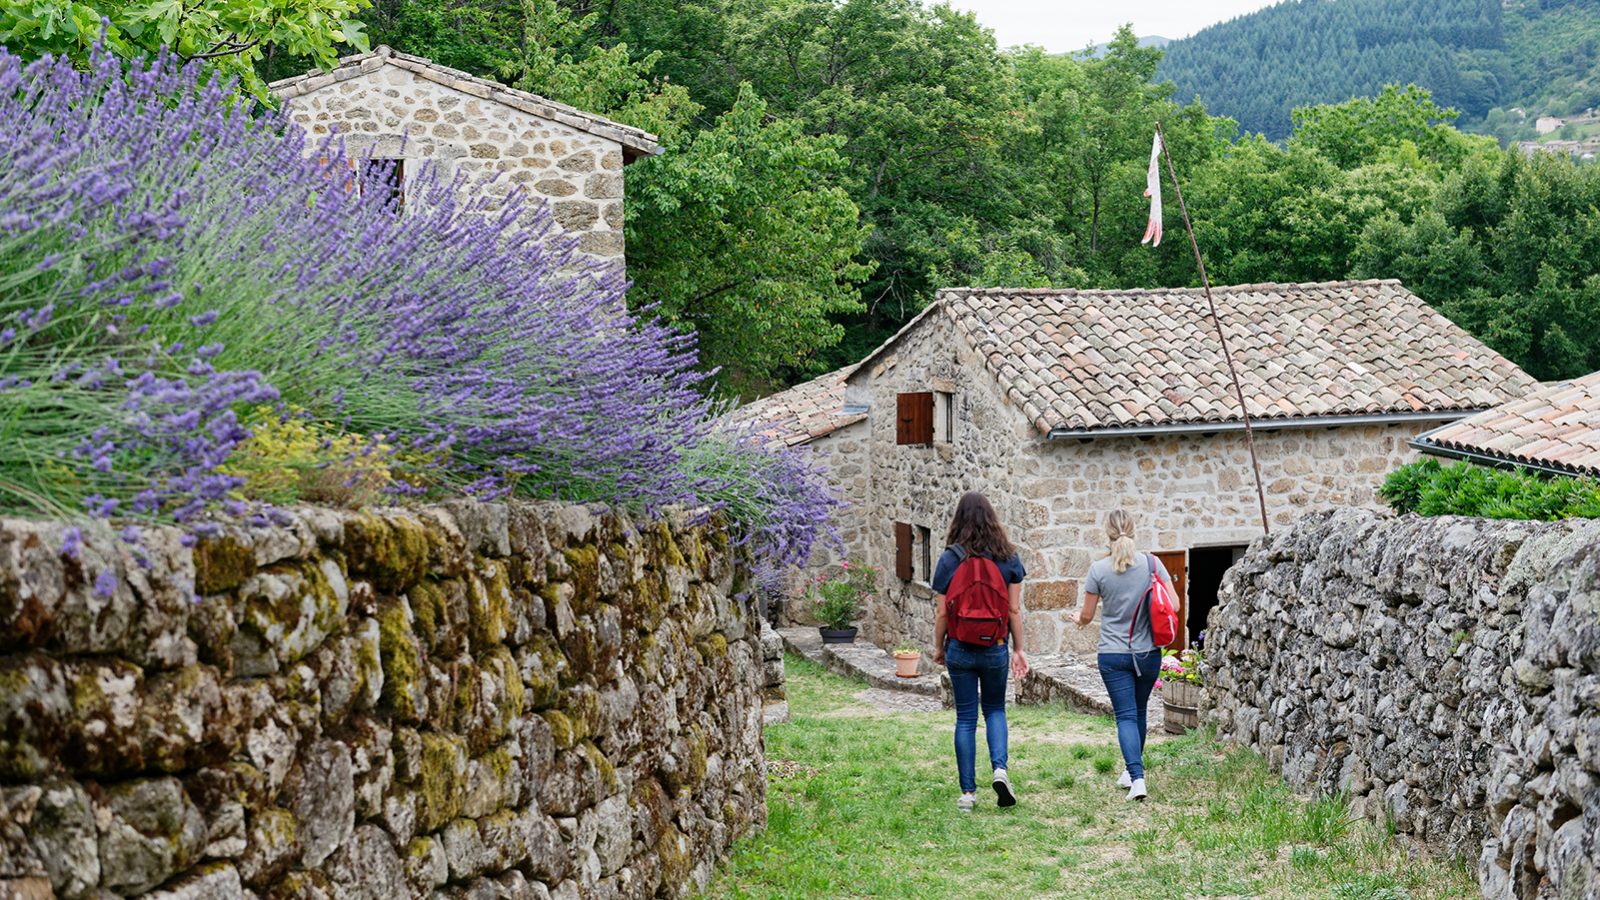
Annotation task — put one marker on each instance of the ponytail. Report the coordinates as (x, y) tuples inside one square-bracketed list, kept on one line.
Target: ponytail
[(1119, 529)]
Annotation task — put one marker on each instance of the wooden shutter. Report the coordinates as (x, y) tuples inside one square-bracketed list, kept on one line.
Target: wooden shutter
[(902, 551), (914, 424)]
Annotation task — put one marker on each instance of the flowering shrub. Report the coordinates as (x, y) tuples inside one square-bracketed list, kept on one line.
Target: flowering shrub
[(1181, 666), (169, 258), (289, 457), (841, 595)]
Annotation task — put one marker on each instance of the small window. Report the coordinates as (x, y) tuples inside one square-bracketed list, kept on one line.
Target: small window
[(925, 540), (902, 551), (914, 424), (388, 178), (944, 416)]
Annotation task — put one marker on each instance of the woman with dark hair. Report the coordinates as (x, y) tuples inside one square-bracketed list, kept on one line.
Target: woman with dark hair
[(977, 603)]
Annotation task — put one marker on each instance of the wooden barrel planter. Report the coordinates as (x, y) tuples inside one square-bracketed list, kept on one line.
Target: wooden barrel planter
[(1180, 701)]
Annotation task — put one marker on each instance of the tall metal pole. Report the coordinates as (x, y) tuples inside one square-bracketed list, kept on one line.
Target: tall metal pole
[(1205, 282)]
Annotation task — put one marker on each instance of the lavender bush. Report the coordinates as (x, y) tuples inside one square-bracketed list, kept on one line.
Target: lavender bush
[(170, 260)]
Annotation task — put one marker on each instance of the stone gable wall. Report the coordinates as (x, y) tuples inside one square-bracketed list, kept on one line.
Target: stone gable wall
[(389, 112), (1184, 491), (920, 485), (843, 453), (1444, 673), (481, 700)]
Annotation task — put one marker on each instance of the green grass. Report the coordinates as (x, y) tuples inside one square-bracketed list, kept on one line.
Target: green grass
[(868, 810)]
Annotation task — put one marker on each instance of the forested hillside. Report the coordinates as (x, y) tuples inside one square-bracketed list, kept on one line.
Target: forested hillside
[(1473, 55), (829, 165)]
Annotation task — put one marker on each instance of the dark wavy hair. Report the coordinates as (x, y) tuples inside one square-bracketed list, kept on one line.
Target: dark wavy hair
[(978, 530)]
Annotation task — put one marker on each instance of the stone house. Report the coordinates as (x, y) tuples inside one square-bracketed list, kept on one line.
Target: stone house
[(814, 415), (1063, 405), (1554, 429), (398, 111)]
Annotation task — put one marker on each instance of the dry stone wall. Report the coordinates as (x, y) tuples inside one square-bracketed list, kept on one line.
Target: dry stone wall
[(1445, 673), (478, 700)]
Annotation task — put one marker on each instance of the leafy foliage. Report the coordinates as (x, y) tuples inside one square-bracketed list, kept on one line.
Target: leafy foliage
[(840, 596), (1463, 489), (232, 35)]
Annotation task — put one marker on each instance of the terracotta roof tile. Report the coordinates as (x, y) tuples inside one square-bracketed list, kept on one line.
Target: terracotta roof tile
[(1097, 359), (1555, 426), (802, 413)]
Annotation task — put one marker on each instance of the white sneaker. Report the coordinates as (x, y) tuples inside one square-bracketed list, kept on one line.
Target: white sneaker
[(1126, 780), (1002, 788), (1136, 790), (965, 801)]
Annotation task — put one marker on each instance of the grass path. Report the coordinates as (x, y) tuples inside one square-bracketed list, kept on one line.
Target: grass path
[(862, 804)]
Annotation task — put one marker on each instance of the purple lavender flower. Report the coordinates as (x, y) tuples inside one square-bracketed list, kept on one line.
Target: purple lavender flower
[(72, 542), (105, 584)]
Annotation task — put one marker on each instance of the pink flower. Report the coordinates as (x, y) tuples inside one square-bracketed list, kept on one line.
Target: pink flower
[(1158, 684), (845, 565)]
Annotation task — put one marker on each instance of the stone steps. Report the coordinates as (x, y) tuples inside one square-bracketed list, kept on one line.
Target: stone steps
[(861, 659), (1073, 681)]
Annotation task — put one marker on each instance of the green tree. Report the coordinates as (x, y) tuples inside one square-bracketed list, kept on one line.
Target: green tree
[(232, 35), (744, 234)]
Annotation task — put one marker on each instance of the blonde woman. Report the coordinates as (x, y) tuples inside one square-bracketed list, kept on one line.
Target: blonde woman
[(1129, 659)]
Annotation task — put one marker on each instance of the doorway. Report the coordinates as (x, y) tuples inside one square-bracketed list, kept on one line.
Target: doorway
[(1207, 565)]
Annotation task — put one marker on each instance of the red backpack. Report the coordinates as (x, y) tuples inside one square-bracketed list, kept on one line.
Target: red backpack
[(1163, 610), (979, 607)]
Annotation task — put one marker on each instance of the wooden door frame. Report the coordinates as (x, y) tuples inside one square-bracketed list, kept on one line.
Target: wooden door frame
[(1177, 563)]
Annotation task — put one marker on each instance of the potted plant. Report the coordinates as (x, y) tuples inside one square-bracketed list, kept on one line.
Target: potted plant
[(1180, 690), (907, 656), (840, 599)]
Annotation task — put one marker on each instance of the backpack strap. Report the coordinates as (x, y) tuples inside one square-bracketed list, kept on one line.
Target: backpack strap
[(961, 553)]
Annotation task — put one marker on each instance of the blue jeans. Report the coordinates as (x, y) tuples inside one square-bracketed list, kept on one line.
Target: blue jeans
[(978, 672), (1130, 698)]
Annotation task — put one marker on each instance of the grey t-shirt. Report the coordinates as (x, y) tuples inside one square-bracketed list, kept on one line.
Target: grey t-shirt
[(1120, 595)]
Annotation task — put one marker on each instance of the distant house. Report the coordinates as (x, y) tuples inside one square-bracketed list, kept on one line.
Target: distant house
[(398, 110), (1555, 428), (1065, 405), (1547, 124)]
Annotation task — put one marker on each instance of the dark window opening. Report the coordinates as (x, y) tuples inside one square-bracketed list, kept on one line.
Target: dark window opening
[(1207, 565), (388, 178), (902, 551), (925, 538)]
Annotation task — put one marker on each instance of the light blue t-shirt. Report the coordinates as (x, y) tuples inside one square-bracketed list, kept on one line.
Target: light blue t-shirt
[(1121, 594)]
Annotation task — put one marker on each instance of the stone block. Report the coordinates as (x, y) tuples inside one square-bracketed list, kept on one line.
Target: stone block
[(150, 831), (1051, 595), (601, 243)]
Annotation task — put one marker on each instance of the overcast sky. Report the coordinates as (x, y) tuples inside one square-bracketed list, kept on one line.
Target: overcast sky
[(1066, 25)]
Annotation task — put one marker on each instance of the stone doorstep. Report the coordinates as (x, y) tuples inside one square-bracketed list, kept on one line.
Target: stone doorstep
[(1075, 681), (858, 660)]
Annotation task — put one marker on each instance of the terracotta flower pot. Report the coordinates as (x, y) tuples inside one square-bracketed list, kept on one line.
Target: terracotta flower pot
[(906, 662)]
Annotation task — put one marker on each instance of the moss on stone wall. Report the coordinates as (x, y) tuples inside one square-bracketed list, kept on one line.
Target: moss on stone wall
[(396, 707)]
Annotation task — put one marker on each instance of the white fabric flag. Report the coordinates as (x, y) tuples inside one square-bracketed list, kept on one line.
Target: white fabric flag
[(1152, 189)]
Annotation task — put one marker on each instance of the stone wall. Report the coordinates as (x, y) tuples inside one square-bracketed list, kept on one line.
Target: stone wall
[(478, 700), (1184, 491), (385, 110), (843, 453), (1445, 673)]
